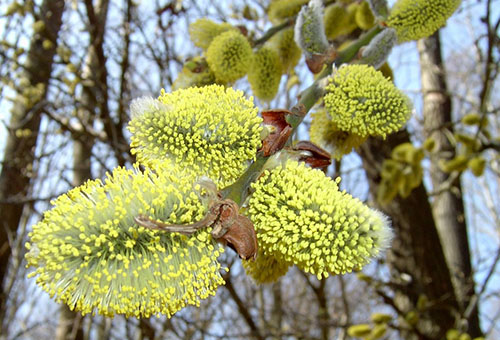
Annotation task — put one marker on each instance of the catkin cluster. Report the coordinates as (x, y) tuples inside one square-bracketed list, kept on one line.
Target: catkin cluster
[(415, 19), (362, 101), (302, 217), (212, 130), (90, 254)]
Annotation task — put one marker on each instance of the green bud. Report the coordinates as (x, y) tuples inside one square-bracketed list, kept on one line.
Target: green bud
[(379, 8), (477, 165), (452, 334), (430, 144), (194, 73), (381, 318), (359, 331), (471, 119), (459, 163), (412, 317), (464, 336), (339, 20), (407, 153), (378, 331)]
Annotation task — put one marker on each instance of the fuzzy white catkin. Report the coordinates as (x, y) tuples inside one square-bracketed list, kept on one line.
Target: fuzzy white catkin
[(310, 30), (378, 50), (379, 8)]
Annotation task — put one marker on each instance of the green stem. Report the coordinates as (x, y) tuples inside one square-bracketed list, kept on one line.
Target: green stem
[(272, 31), (350, 52), (239, 191)]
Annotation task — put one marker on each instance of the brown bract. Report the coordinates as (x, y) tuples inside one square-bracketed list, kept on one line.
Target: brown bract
[(315, 156), (277, 139), (241, 238), (316, 62), (229, 227)]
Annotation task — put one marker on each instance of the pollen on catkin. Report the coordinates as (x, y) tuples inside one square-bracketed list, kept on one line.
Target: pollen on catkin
[(203, 31), (324, 133), (283, 42), (301, 217), (229, 56), (360, 100), (89, 253), (264, 75), (266, 268), (211, 130), (416, 19)]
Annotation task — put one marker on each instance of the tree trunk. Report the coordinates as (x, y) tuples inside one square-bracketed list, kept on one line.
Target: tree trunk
[(447, 205), (19, 152), (70, 323), (416, 258)]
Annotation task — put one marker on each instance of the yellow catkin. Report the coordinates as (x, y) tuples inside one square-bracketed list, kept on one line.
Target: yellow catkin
[(416, 19), (324, 133), (211, 130), (280, 10), (229, 56), (266, 268), (284, 43), (265, 73), (360, 100), (89, 253), (203, 31), (302, 217), (364, 16), (338, 21)]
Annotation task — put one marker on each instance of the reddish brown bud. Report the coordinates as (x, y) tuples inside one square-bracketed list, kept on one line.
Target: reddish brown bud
[(319, 158), (277, 138), (241, 238)]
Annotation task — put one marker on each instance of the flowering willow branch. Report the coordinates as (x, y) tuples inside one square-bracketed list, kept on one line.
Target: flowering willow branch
[(238, 191)]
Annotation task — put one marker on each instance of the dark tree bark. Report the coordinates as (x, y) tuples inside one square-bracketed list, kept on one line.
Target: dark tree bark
[(19, 156), (447, 204), (416, 258)]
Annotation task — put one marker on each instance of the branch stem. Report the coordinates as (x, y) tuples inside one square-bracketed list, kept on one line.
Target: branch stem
[(240, 190)]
